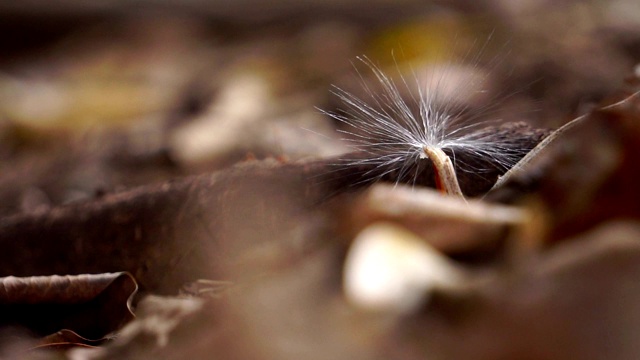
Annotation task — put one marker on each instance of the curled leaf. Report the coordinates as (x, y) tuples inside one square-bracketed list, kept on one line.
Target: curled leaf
[(90, 305)]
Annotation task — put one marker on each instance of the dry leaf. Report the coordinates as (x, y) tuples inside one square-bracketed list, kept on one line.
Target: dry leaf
[(89, 305)]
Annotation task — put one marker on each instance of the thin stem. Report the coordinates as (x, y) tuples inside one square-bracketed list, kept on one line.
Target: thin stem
[(444, 170)]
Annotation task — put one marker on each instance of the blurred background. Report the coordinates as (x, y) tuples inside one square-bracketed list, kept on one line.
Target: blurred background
[(97, 96)]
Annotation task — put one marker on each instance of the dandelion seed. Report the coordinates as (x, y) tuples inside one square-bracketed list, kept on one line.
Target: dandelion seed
[(399, 126)]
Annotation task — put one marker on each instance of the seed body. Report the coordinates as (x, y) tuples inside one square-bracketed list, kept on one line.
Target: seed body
[(445, 173)]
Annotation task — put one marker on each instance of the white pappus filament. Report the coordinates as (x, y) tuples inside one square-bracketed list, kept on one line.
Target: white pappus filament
[(399, 128)]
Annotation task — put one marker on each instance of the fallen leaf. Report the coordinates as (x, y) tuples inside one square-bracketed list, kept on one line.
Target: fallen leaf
[(89, 305)]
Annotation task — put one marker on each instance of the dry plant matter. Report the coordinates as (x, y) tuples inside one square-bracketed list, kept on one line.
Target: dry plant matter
[(161, 235)]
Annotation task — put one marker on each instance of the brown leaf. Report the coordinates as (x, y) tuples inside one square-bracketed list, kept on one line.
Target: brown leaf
[(472, 228), (578, 301), (90, 305), (161, 233), (588, 173), (66, 339)]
